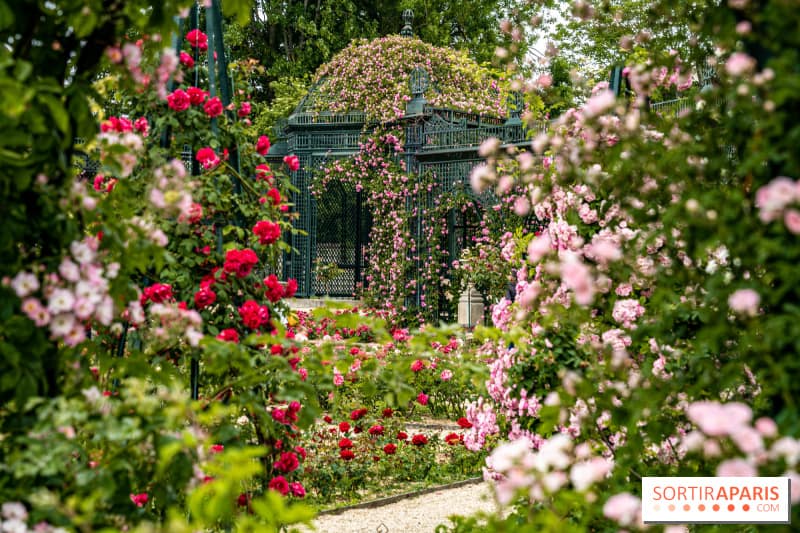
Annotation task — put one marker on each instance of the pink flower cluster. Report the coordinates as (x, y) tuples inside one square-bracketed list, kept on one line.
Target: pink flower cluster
[(627, 311), (171, 323), (484, 423), (120, 151), (383, 66), (717, 422), (171, 193), (70, 299), (517, 469), (773, 201)]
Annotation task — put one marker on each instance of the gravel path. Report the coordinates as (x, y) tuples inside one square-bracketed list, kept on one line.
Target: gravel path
[(420, 514)]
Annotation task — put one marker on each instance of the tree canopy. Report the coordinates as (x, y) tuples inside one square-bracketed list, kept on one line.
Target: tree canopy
[(293, 38)]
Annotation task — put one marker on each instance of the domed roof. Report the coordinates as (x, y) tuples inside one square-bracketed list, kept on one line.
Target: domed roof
[(373, 77)]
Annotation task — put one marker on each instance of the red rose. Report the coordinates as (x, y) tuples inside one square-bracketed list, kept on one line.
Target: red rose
[(327, 419), (390, 448), (253, 315), (291, 288), (278, 415), (276, 349), (301, 452), (452, 439), (213, 107), (204, 297), (229, 335), (267, 232), (186, 60), (244, 109), (274, 195), (216, 448), (345, 443), (297, 489), (118, 124), (422, 398), (197, 39), (240, 262), (141, 126), (287, 463), (280, 484), (139, 499), (347, 455), (417, 365), (274, 288), (358, 413), (207, 157), (263, 172), (157, 293), (243, 500), (464, 423), (402, 435), (292, 162), (387, 413), (375, 430), (178, 100), (419, 440), (196, 95), (344, 427), (262, 146)]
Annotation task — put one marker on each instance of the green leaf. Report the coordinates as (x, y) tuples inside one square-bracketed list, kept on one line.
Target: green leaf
[(22, 70), (6, 16), (57, 111)]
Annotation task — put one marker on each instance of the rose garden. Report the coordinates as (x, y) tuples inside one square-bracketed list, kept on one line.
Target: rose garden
[(234, 297)]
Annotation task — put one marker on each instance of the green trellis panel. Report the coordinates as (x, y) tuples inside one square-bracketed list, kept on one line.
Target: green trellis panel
[(442, 141)]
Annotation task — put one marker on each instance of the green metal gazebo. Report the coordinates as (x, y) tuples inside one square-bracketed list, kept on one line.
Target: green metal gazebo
[(337, 224)]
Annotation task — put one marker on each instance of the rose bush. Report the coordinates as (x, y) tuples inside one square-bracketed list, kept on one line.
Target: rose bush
[(653, 320), (117, 301)]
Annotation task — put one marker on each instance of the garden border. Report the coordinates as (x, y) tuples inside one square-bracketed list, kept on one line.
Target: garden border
[(399, 497)]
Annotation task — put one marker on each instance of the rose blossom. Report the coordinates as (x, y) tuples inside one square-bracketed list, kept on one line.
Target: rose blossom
[(213, 107), (792, 221), (262, 146), (739, 63), (623, 508), (178, 100), (744, 301), (735, 468), (292, 162)]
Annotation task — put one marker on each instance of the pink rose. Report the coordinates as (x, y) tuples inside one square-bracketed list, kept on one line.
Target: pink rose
[(792, 221), (735, 468), (744, 301)]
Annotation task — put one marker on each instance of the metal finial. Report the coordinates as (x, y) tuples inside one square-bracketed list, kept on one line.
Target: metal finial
[(419, 81), (408, 18)]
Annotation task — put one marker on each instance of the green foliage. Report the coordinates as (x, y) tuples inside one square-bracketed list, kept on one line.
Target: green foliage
[(293, 39), (287, 93)]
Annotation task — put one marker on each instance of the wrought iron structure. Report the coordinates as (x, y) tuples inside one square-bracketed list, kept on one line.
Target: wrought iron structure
[(336, 225)]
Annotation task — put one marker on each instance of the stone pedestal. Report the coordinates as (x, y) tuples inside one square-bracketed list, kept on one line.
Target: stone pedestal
[(470, 308)]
